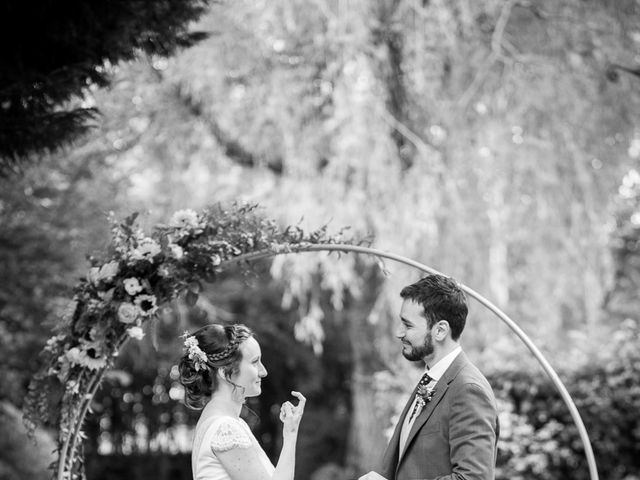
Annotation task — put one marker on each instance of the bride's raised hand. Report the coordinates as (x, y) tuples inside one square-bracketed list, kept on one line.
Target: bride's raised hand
[(290, 414)]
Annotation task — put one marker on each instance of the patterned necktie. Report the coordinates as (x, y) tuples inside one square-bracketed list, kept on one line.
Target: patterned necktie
[(420, 394)]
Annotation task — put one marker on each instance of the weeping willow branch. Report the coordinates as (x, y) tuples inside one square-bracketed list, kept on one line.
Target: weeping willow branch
[(495, 55)]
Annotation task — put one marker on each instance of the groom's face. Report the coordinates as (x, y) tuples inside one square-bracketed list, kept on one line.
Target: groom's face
[(417, 341)]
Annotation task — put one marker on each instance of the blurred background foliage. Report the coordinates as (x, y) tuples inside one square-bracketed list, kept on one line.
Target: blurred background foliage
[(495, 141)]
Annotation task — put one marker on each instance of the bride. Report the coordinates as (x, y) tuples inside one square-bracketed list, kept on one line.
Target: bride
[(221, 367)]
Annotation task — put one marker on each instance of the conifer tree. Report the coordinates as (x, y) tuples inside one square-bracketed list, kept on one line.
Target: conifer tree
[(51, 52)]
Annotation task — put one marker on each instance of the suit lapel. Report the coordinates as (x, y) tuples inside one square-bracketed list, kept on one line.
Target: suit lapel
[(422, 418), (438, 394), (392, 455)]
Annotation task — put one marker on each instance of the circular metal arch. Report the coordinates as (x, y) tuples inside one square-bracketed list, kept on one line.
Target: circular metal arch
[(69, 447), (573, 410)]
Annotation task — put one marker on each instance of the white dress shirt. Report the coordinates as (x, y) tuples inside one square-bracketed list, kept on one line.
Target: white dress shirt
[(435, 373)]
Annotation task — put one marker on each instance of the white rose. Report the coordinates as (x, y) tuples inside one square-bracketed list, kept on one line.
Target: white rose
[(127, 313), (73, 355), (132, 286), (176, 251), (147, 249), (184, 219), (135, 333)]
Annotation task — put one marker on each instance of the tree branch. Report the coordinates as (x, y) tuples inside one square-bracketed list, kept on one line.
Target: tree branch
[(495, 55), (233, 149)]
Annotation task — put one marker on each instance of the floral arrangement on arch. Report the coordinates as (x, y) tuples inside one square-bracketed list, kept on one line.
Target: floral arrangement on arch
[(139, 274)]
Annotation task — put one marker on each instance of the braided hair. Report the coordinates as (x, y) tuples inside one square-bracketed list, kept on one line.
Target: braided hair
[(209, 349)]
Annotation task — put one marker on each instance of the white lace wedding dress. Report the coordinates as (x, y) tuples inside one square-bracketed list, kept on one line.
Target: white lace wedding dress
[(220, 434)]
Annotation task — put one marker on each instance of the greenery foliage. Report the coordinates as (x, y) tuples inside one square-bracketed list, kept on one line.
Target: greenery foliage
[(42, 249), (52, 53), (123, 290), (538, 439), (21, 458)]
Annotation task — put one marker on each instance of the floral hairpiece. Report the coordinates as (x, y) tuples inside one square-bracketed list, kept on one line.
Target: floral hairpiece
[(196, 355)]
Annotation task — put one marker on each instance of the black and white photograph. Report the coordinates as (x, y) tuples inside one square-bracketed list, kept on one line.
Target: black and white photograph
[(320, 240)]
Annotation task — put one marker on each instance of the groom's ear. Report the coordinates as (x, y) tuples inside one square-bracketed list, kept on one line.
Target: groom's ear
[(442, 330)]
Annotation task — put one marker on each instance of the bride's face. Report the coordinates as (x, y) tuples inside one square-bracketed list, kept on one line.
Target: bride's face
[(251, 371)]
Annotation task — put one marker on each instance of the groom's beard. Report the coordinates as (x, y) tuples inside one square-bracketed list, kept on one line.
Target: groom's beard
[(420, 352)]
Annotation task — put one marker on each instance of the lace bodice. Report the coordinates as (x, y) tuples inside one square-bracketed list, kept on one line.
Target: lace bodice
[(221, 434), (227, 434)]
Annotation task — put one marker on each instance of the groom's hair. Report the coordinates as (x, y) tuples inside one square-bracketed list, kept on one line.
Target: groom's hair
[(441, 299)]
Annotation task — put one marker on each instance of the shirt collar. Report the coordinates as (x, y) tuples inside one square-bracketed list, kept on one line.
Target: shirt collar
[(445, 362)]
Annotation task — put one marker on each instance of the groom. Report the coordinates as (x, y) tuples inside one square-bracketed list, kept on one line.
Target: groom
[(449, 427)]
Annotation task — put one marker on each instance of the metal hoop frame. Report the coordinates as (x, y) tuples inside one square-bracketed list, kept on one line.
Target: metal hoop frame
[(573, 410), (67, 453)]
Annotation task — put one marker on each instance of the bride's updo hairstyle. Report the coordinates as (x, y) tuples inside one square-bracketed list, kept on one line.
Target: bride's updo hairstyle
[(209, 349)]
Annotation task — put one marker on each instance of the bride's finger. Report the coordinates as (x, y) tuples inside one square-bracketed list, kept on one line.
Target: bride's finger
[(300, 397)]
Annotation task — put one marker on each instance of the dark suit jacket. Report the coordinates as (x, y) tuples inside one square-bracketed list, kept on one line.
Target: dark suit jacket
[(455, 435)]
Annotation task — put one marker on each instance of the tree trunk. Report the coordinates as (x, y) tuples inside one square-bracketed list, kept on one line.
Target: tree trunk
[(367, 440)]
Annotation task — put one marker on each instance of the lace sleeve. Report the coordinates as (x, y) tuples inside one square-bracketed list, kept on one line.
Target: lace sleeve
[(229, 434)]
